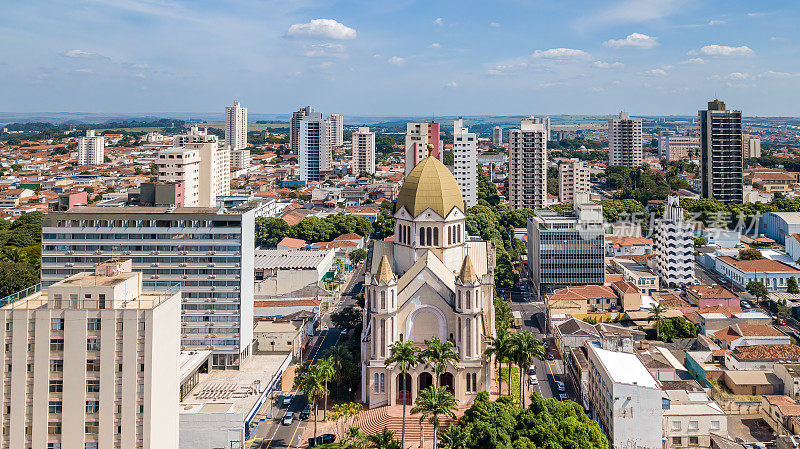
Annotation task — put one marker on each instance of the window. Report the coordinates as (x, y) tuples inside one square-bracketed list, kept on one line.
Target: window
[(56, 386), (92, 344), (92, 407), (693, 425), (422, 237), (383, 384), (676, 425), (714, 425), (56, 365), (101, 301), (694, 440), (676, 441), (53, 428), (56, 344), (428, 236), (469, 302), (383, 300), (459, 299), (474, 382), (435, 236), (90, 444), (93, 386), (377, 383), (93, 365), (53, 445), (469, 382), (56, 324), (93, 324), (54, 407)]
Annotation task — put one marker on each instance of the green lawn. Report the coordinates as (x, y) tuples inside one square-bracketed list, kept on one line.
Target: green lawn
[(514, 381)]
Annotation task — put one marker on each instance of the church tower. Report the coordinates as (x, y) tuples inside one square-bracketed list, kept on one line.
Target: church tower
[(468, 307), (382, 304)]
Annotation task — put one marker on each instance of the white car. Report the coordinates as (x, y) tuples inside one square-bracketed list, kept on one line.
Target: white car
[(534, 380), (287, 418)]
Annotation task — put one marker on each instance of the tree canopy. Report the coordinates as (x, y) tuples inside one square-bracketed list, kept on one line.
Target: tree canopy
[(271, 230)]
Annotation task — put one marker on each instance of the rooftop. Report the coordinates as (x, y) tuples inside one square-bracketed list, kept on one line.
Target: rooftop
[(761, 265), (767, 352), (624, 368), (268, 259)]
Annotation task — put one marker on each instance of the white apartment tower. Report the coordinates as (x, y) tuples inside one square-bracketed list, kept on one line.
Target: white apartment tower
[(673, 147), (91, 149), (313, 147), (497, 136), (625, 140), (335, 130), (751, 146), (527, 166), (197, 151), (363, 152), (673, 246), (573, 177), (182, 165), (236, 126), (465, 162), (294, 127), (91, 362), (422, 140)]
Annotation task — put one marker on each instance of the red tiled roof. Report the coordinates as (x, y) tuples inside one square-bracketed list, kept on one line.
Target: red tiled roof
[(767, 352), (710, 291), (734, 332), (761, 265), (294, 243), (584, 292)]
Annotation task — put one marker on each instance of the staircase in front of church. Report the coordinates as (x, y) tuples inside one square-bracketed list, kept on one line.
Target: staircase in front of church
[(373, 421)]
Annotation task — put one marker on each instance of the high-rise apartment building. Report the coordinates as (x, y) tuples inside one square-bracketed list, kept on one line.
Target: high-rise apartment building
[(573, 177), (236, 126), (240, 159), (422, 140), (497, 136), (363, 152), (721, 153), (465, 162), (673, 246), (567, 250), (673, 147), (625, 140), (335, 130), (527, 166), (751, 146), (294, 127), (182, 165), (91, 362), (313, 147), (208, 251), (91, 149), (197, 160)]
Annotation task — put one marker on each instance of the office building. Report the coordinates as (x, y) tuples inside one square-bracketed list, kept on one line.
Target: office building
[(294, 127), (236, 127), (465, 162), (527, 166), (624, 398), (566, 250), (363, 152), (751, 146), (209, 251), (335, 130), (625, 140), (721, 153), (91, 149), (101, 363), (497, 136), (673, 147), (573, 177), (314, 151), (673, 246), (182, 165), (422, 140)]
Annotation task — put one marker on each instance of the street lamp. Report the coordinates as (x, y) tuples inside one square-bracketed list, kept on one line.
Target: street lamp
[(350, 393)]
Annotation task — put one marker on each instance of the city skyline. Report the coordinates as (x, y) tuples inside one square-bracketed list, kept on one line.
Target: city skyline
[(645, 57)]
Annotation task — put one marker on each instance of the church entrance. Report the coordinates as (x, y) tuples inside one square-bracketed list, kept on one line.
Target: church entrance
[(446, 380), (425, 381), (404, 389)]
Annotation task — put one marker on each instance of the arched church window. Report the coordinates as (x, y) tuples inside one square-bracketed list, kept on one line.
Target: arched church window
[(477, 299), (421, 236), (401, 338), (408, 235), (435, 236), (459, 299), (393, 299), (449, 235), (383, 337), (458, 233), (428, 236), (469, 303), (383, 300)]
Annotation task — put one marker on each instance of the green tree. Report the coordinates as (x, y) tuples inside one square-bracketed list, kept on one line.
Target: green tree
[(447, 158), (270, 231), (525, 348), (326, 372), (383, 440), (454, 437), (438, 355), (433, 402), (750, 254), (356, 256), (340, 357), (758, 290), (347, 318), (656, 312), (16, 276), (500, 347), (406, 356), (700, 241), (791, 285), (311, 384)]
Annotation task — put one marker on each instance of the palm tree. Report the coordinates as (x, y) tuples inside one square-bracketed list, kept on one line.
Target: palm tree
[(656, 311), (525, 348), (406, 355), (455, 437), (438, 354), (498, 347), (339, 355), (433, 402), (312, 386), (326, 372), (383, 440)]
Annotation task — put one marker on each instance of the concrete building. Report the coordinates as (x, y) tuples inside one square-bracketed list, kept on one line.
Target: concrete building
[(465, 162), (91, 149), (625, 399), (751, 146), (213, 169), (313, 148), (281, 271), (721, 153), (209, 251), (422, 140), (772, 273), (690, 417), (497, 136), (363, 143), (294, 127), (673, 147), (236, 127), (673, 246), (182, 165), (335, 130), (240, 159), (107, 372), (527, 166), (779, 225), (573, 177), (625, 140), (789, 374), (566, 250)]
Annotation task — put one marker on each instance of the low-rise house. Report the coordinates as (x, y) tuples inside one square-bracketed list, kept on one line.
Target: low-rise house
[(711, 295), (789, 374), (751, 382), (580, 301), (637, 274), (291, 243), (627, 246), (772, 273), (782, 413), (761, 357), (705, 366), (577, 368), (690, 418), (281, 271), (736, 335), (712, 321)]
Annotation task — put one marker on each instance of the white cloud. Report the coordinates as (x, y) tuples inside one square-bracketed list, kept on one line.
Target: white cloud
[(494, 25), (724, 50), (325, 50), (561, 53), (436, 45), (396, 60), (607, 65), (84, 70), (634, 11), (451, 85), (323, 29), (717, 22), (654, 72), (774, 74), (439, 21), (495, 72), (778, 39), (694, 61), (82, 54), (634, 40), (377, 56), (738, 76)]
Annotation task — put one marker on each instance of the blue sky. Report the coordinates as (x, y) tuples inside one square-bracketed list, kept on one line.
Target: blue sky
[(402, 57)]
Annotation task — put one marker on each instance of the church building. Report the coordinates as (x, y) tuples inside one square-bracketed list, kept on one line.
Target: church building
[(431, 279)]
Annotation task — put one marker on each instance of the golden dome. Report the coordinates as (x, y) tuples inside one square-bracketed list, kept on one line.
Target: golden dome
[(430, 185)]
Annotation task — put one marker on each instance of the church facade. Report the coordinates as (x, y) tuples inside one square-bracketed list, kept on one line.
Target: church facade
[(431, 279)]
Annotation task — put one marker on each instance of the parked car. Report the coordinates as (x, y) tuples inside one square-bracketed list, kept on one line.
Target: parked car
[(562, 396), (287, 418), (326, 438), (550, 356), (534, 380), (287, 399), (560, 386), (306, 412), (532, 370)]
